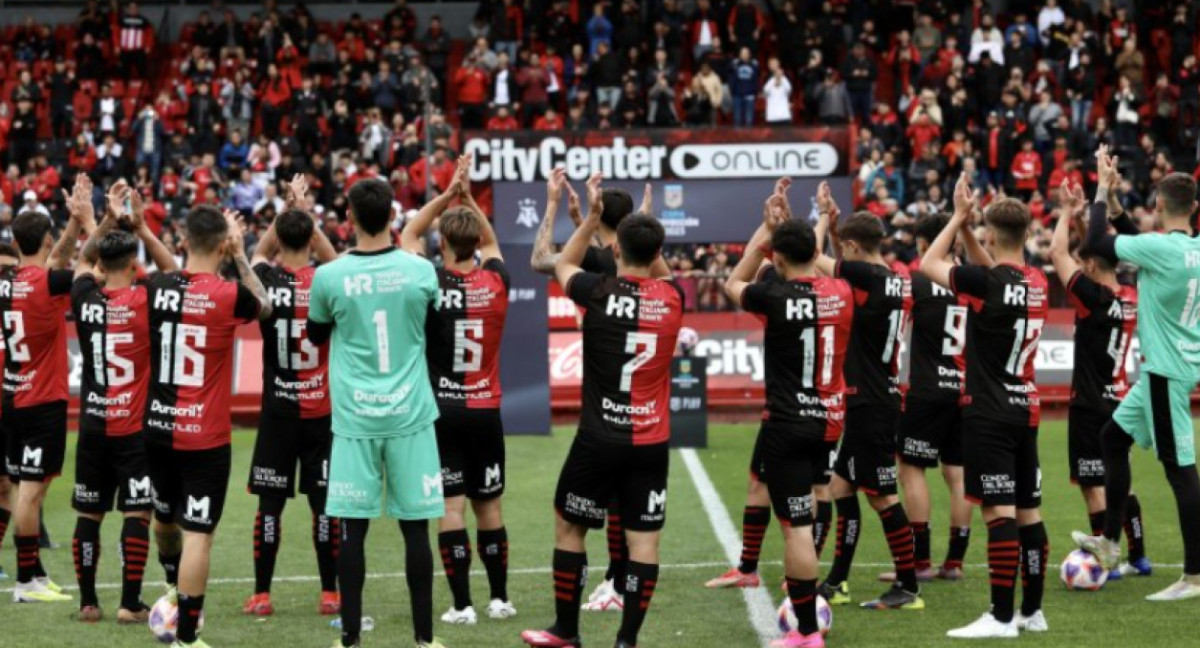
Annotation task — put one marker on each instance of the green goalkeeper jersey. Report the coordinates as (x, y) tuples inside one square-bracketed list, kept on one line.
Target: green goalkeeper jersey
[(377, 303), (1168, 301)]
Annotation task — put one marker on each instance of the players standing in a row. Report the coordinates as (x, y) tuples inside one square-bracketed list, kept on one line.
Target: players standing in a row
[(866, 459), (109, 302), (33, 298), (193, 316), (1001, 405), (1156, 413), (930, 428), (808, 322), (294, 426), (463, 350), (373, 303), (1105, 316), (621, 450)]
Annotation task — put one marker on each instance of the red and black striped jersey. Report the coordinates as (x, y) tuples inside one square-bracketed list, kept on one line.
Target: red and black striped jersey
[(808, 323), (1009, 305), (462, 336), (882, 302), (629, 335), (193, 318), (939, 335), (33, 306), (1104, 324), (114, 340), (295, 371)]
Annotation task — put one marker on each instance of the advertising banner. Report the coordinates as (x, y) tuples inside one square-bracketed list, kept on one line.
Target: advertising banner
[(689, 402)]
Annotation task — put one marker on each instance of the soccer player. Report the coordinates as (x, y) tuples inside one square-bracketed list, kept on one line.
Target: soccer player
[(110, 307), (8, 259), (756, 516), (1156, 412), (193, 316), (620, 452), (598, 258), (294, 427), (1105, 316), (808, 320), (463, 348), (34, 296), (1008, 302), (373, 303), (866, 459), (930, 427)]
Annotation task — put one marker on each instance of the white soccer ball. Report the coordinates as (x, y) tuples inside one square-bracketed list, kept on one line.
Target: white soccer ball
[(164, 618), (787, 616), (688, 339), (1082, 571)]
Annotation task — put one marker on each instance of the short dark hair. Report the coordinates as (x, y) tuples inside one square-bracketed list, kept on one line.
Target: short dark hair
[(1010, 218), (461, 232), (617, 205), (371, 203), (1102, 260), (863, 228), (795, 241), (1178, 193), (117, 249), (294, 227), (929, 226), (29, 230), (206, 228), (641, 239)]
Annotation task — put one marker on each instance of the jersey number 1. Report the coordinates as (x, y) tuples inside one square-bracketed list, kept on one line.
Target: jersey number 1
[(306, 358), (1027, 333), (181, 364), (808, 337)]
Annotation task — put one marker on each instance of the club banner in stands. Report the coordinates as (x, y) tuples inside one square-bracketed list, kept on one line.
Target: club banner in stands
[(707, 185)]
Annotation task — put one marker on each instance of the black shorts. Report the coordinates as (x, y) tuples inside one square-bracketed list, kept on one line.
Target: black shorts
[(189, 485), (822, 469), (471, 444), (597, 472), (867, 457), (111, 467), (1084, 425), (790, 464), (930, 431), (1001, 463), (37, 441), (281, 444)]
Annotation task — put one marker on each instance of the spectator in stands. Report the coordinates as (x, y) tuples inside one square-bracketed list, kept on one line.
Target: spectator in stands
[(108, 158), (275, 94), (605, 72), (135, 39), (1123, 107), (82, 156), (264, 158), (508, 27), (1130, 63), (503, 121), (504, 91), (436, 45), (599, 30), (244, 194), (237, 102), (859, 72), (743, 87), (777, 93), (148, 136), (533, 80), (202, 119), (833, 104), (987, 38), (705, 29), (22, 135), (1042, 117), (746, 25), (233, 154), (62, 86), (471, 84)]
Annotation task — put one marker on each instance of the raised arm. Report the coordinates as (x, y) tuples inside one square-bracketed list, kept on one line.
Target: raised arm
[(647, 206), (489, 246), (570, 259), (236, 249), (934, 264), (573, 209), (752, 260), (1060, 244), (267, 248), (411, 237), (1098, 240), (976, 253), (83, 219), (544, 259), (827, 221), (80, 200), (158, 252)]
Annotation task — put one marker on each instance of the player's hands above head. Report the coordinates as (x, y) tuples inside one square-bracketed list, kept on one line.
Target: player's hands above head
[(594, 194), (235, 234), (298, 196), (775, 212), (1071, 197), (647, 205), (555, 183), (572, 197), (137, 209), (460, 185), (825, 202), (965, 197), (79, 200)]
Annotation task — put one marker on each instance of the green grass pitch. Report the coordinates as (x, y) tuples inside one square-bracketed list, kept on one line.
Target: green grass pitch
[(683, 613)]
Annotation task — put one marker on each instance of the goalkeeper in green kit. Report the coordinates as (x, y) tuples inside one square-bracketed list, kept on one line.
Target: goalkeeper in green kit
[(371, 303), (1156, 413)]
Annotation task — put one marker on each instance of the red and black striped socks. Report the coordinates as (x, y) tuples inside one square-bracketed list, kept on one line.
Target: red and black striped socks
[(85, 549), (570, 577), (755, 520), (618, 546), (28, 557), (492, 545), (899, 536), (190, 609), (960, 539), (803, 595), (455, 547), (849, 521), (1004, 554), (135, 551), (821, 525), (640, 581), (1135, 530), (1035, 552), (921, 549)]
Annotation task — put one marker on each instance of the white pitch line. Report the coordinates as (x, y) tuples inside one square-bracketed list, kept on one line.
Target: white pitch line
[(758, 602)]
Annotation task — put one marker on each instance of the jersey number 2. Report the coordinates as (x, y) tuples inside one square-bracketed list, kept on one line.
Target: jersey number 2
[(14, 321), (1025, 341)]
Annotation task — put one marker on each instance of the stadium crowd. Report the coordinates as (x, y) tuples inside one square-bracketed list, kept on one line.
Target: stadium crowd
[(225, 110)]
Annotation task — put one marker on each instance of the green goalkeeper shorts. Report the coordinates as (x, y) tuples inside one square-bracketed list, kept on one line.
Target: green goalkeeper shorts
[(1157, 414), (407, 466)]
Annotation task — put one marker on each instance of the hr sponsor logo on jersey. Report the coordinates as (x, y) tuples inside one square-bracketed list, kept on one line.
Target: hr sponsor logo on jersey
[(381, 282)]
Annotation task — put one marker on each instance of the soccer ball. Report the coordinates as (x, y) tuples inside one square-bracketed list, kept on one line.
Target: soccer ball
[(688, 339), (787, 617), (1081, 571), (164, 616)]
